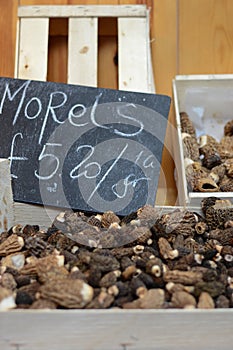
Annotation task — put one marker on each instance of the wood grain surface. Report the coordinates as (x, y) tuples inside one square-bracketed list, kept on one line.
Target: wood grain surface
[(187, 37), (116, 330), (205, 37)]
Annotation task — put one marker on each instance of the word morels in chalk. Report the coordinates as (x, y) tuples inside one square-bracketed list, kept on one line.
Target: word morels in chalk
[(81, 147)]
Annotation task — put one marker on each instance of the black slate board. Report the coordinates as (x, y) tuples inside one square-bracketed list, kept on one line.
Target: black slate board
[(80, 147)]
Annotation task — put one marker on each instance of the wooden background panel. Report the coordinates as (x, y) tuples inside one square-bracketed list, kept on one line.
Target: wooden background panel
[(8, 21), (205, 36), (164, 59), (57, 59), (42, 2)]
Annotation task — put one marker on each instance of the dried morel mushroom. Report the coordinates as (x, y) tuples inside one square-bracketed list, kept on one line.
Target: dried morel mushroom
[(209, 149), (187, 125), (190, 146), (228, 128), (179, 259)]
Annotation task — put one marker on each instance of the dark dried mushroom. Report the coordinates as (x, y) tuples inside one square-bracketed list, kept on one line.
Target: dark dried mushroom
[(186, 124), (219, 213), (217, 173), (226, 147), (228, 128), (228, 164), (177, 259), (226, 185), (108, 218), (190, 147), (208, 202), (194, 172), (209, 149), (11, 245), (206, 184)]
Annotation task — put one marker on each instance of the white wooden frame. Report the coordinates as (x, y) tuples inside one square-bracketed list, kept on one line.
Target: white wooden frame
[(6, 200), (135, 65), (116, 330), (82, 11)]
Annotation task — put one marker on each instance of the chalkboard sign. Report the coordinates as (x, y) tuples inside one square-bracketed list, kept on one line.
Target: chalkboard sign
[(80, 147)]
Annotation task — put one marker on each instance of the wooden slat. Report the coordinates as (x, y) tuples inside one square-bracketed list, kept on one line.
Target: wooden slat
[(107, 62), (57, 59), (34, 214), (6, 199), (43, 2), (205, 37), (151, 81), (116, 329), (8, 11), (107, 26), (132, 54), (82, 51), (33, 48), (164, 45), (82, 11)]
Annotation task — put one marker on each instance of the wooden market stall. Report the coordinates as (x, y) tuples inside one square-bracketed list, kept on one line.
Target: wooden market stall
[(187, 37)]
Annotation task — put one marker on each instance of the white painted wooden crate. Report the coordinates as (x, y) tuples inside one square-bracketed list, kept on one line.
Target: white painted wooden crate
[(208, 100), (112, 329), (96, 329), (116, 330), (135, 72)]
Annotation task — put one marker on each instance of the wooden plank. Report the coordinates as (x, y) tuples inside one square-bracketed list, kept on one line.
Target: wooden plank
[(82, 51), (116, 329), (57, 59), (151, 81), (8, 11), (17, 48), (58, 27), (107, 62), (34, 214), (82, 11), (6, 199), (132, 54), (107, 53), (178, 155), (205, 37), (43, 2), (107, 26), (33, 48), (164, 46)]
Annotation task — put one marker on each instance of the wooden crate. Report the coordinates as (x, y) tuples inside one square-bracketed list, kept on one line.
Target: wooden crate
[(116, 330), (208, 101), (112, 329)]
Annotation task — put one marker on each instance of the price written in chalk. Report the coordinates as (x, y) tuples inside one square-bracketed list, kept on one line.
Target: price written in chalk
[(81, 147)]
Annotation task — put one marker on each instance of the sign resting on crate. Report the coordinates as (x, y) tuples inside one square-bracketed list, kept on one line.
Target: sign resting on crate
[(81, 147)]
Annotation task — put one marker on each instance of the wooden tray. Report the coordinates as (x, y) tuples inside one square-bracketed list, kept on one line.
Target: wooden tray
[(208, 101), (116, 330), (112, 329)]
